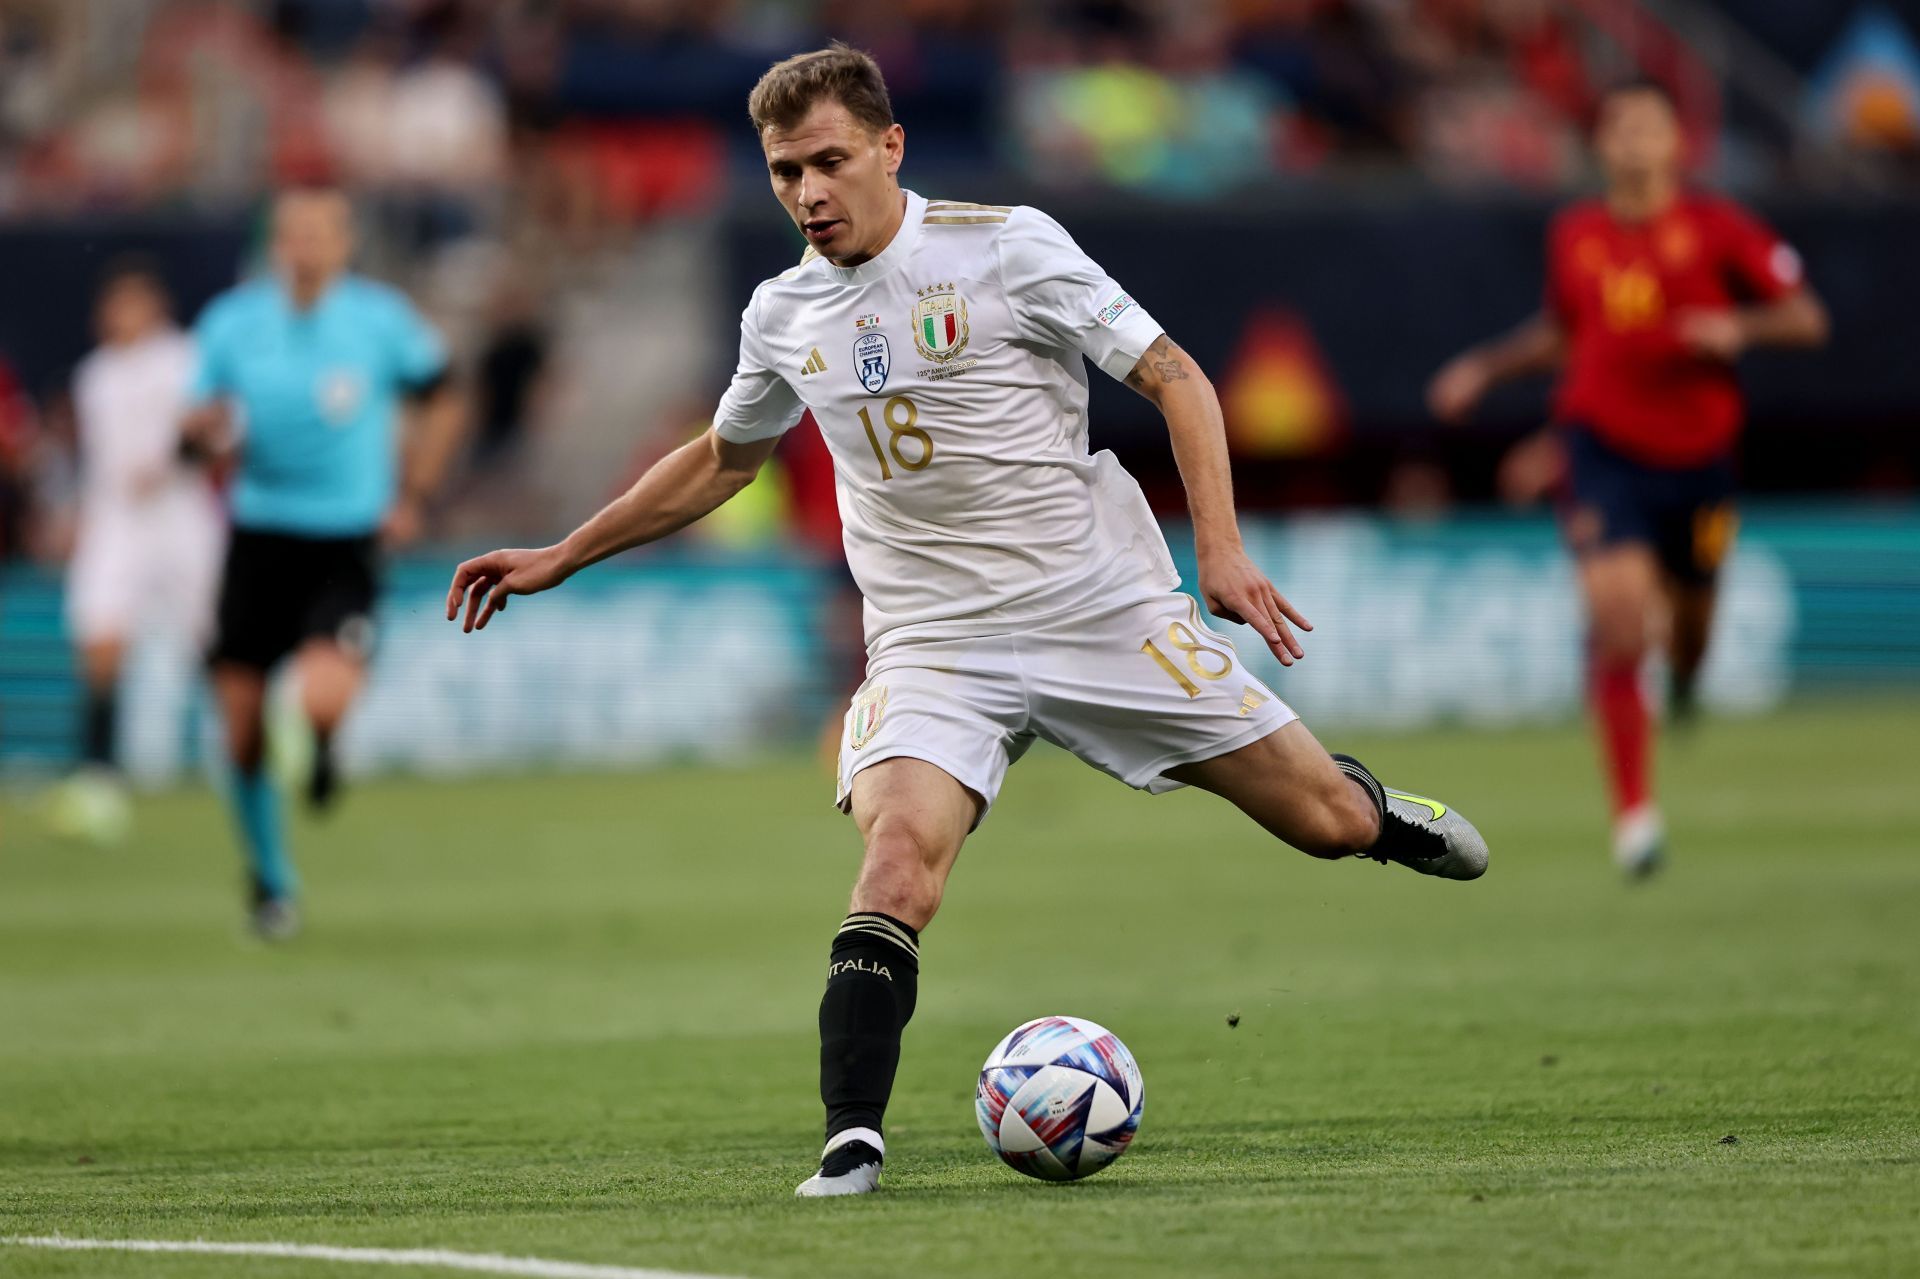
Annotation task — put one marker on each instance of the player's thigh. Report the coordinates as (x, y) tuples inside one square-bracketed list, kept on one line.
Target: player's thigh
[(1611, 519), (1145, 689), (103, 586), (1288, 783)]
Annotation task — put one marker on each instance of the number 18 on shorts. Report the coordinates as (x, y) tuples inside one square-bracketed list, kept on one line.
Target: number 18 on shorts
[(1133, 692)]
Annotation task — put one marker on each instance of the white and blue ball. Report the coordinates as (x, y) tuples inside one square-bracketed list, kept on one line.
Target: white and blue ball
[(1059, 1098)]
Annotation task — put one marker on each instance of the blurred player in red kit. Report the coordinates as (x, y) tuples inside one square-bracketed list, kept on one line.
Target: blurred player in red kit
[(1653, 293)]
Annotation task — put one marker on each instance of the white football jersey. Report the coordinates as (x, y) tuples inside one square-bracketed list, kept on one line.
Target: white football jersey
[(128, 402), (946, 376)]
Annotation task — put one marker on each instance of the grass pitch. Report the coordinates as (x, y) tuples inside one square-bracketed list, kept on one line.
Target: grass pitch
[(572, 1017)]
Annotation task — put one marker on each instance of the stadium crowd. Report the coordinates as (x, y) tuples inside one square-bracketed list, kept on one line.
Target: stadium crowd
[(503, 143), (454, 110)]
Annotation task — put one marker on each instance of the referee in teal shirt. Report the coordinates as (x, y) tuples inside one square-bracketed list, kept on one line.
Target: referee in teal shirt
[(303, 380)]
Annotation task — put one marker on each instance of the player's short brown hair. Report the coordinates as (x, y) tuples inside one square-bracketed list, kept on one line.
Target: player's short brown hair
[(839, 72)]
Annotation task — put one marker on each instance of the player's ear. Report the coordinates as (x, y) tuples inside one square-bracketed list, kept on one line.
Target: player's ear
[(893, 145)]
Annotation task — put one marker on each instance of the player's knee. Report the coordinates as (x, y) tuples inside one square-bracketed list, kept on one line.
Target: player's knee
[(1618, 628), (897, 877), (1619, 638)]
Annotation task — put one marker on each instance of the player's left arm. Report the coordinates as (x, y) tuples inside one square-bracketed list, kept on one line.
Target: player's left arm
[(1231, 585), (1785, 312)]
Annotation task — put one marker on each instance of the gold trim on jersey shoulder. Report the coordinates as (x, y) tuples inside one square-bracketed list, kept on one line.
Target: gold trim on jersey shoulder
[(968, 219), (955, 206)]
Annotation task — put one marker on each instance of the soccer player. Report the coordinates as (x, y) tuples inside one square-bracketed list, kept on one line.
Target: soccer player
[(150, 526), (316, 361), (1016, 586), (1653, 292)]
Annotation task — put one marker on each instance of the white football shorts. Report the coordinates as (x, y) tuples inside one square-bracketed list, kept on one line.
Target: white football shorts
[(1134, 692), (128, 572)]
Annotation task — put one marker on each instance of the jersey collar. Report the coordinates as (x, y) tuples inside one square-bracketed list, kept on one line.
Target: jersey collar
[(285, 295), (894, 254)]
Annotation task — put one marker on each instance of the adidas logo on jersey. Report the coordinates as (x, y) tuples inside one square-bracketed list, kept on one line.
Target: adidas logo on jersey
[(813, 365)]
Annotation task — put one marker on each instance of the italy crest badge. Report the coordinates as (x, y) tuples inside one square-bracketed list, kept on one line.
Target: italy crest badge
[(868, 708), (940, 322)]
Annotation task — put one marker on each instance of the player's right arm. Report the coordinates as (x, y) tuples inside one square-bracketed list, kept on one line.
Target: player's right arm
[(688, 483), (1537, 346)]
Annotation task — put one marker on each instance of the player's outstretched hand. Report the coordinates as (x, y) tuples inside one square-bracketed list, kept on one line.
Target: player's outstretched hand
[(484, 582), (1236, 591), (1457, 388)]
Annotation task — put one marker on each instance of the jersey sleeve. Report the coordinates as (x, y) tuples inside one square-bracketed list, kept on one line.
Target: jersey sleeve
[(1060, 296), (419, 356), (1761, 263), (759, 403)]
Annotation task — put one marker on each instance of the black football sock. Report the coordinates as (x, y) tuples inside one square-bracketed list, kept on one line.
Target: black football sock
[(1358, 772), (324, 780), (1683, 698), (101, 715), (1399, 840), (873, 981)]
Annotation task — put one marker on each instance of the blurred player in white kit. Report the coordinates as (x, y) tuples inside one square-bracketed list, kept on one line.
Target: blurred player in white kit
[(147, 550)]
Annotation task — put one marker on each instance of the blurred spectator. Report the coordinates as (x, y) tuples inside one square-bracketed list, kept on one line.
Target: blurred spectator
[(1188, 124), (447, 132), (512, 373), (358, 109), (593, 114)]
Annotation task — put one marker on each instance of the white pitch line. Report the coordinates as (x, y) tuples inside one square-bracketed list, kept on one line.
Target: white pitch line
[(489, 1263)]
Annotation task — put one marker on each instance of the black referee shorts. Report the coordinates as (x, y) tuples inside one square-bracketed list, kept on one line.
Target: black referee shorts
[(279, 591)]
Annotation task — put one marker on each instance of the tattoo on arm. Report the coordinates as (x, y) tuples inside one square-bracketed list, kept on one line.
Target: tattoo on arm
[(1164, 358)]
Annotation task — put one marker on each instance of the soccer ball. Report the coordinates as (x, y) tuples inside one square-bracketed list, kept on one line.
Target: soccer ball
[(1059, 1098)]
